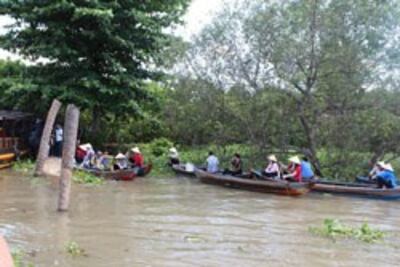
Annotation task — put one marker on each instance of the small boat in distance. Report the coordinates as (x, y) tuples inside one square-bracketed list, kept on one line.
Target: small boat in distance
[(120, 175), (181, 169), (263, 186), (356, 189)]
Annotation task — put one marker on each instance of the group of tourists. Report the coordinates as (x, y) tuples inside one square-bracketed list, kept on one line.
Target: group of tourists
[(86, 157), (297, 170)]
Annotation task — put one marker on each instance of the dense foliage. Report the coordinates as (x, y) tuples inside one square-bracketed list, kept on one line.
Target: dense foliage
[(306, 77), (96, 54)]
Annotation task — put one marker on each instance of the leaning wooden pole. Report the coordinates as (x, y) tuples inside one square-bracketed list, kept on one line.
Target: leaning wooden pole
[(70, 135), (44, 148)]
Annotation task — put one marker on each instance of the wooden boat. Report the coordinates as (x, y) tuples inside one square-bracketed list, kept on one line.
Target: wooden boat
[(122, 175), (365, 180), (263, 186), (180, 169), (7, 156), (356, 189)]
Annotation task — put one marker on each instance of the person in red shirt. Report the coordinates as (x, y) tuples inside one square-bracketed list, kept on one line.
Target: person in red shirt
[(137, 159), (294, 170)]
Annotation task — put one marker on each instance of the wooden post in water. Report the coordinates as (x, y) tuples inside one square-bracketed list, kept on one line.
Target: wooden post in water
[(44, 148), (70, 135)]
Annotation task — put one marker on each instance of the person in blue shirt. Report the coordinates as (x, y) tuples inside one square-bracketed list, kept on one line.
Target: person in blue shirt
[(306, 170), (386, 177)]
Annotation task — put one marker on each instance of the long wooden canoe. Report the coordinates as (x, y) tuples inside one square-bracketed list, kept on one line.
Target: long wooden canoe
[(365, 180), (356, 189), (263, 186), (180, 169), (123, 175)]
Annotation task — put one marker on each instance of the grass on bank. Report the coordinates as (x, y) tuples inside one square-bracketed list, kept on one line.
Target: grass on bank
[(334, 229), (19, 260), (27, 167)]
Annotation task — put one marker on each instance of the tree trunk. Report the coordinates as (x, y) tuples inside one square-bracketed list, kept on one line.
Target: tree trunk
[(44, 148), (71, 133)]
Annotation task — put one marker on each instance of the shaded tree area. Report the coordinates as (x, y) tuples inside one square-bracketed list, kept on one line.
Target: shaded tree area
[(96, 54)]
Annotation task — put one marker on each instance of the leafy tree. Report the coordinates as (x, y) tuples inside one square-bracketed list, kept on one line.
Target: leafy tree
[(95, 54)]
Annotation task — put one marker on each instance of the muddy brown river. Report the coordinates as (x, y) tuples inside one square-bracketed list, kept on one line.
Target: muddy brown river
[(180, 222)]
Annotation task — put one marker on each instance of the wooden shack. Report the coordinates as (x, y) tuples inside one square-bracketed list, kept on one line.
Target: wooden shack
[(15, 127)]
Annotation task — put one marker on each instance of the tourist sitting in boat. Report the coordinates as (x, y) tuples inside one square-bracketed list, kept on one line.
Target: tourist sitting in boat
[(294, 170), (273, 169), (372, 175), (173, 157), (386, 176), (88, 160), (236, 166), (307, 172), (121, 163), (212, 163), (137, 159)]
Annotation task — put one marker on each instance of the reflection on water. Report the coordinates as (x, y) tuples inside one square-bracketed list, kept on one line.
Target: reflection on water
[(180, 222)]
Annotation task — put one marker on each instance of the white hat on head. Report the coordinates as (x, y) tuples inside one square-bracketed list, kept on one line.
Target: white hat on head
[(295, 160), (86, 147), (381, 163), (173, 150), (120, 156), (272, 158), (388, 167), (135, 150)]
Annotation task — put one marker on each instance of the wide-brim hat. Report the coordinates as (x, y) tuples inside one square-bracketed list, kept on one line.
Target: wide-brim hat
[(272, 158), (295, 160), (135, 150), (388, 167), (86, 147), (120, 156), (173, 150), (381, 164)]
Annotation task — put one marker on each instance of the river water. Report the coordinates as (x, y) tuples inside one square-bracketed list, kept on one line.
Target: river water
[(180, 222)]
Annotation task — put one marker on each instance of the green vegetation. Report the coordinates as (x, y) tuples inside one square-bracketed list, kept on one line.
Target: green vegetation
[(25, 166), (82, 177), (306, 77), (74, 249), (334, 229), (19, 259)]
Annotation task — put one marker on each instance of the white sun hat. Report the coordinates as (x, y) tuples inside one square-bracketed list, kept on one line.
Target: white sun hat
[(295, 160), (388, 167), (173, 150), (381, 163), (135, 150), (120, 156), (86, 147), (272, 158)]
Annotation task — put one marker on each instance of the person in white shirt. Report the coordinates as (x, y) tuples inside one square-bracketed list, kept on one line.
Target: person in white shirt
[(212, 163), (273, 169), (58, 140)]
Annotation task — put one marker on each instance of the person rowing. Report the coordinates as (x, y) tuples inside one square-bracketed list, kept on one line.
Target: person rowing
[(236, 166), (273, 169), (294, 170), (386, 178), (173, 157), (137, 161), (372, 175)]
